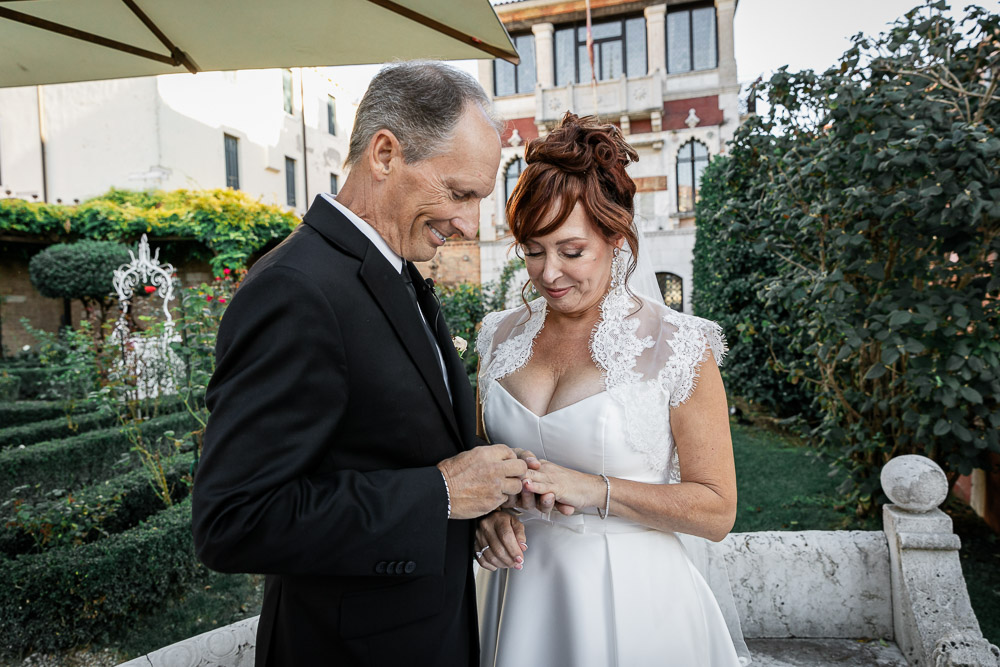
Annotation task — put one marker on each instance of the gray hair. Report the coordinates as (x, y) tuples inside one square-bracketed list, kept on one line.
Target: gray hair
[(420, 102)]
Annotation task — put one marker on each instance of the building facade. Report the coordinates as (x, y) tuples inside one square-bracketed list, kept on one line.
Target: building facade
[(665, 72), (280, 135)]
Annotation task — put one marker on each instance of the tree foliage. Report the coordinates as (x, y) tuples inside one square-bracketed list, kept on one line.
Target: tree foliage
[(869, 199)]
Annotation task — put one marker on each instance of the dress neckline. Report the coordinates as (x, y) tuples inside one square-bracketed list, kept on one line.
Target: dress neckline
[(554, 412)]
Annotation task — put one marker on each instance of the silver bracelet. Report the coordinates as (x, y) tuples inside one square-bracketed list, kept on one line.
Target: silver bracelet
[(607, 499), (447, 493)]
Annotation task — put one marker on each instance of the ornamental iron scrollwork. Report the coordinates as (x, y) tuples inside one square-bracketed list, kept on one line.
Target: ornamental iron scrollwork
[(138, 354)]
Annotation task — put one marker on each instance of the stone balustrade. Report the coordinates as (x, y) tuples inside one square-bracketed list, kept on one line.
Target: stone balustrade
[(804, 598), (613, 98)]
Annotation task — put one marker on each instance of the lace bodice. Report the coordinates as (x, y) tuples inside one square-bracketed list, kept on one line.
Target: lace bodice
[(650, 358)]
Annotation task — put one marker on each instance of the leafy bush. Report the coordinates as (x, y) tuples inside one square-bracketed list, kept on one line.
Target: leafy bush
[(70, 596), (81, 270), (56, 428), (462, 307), (875, 186), (96, 511), (10, 386), (725, 280), (82, 459), (26, 412), (229, 224)]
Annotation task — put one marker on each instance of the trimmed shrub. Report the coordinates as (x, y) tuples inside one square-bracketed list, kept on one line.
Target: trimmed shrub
[(41, 383), (99, 510), (81, 270), (65, 426), (82, 459), (25, 412), (71, 596)]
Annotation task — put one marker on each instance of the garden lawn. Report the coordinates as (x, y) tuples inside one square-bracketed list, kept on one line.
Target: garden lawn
[(784, 485)]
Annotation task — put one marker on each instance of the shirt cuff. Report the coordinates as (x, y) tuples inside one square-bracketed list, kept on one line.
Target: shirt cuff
[(447, 493)]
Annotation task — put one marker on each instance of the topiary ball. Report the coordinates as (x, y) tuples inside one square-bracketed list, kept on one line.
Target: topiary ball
[(79, 270)]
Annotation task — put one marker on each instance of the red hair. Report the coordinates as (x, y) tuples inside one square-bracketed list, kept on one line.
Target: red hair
[(580, 161)]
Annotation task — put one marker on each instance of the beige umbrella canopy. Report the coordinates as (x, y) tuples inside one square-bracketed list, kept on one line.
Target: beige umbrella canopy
[(57, 41)]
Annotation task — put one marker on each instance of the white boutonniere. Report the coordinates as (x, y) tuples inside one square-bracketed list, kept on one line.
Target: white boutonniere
[(461, 345)]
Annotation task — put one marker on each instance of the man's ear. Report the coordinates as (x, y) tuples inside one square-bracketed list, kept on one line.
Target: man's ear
[(384, 147)]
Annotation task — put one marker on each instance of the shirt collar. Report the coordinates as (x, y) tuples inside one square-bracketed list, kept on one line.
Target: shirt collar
[(369, 231)]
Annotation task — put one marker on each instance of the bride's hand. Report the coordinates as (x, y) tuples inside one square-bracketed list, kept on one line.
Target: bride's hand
[(571, 488), (500, 541), (528, 500)]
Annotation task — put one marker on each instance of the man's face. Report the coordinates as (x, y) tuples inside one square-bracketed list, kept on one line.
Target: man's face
[(433, 199)]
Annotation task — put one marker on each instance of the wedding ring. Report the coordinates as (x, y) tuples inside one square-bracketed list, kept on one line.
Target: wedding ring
[(479, 554)]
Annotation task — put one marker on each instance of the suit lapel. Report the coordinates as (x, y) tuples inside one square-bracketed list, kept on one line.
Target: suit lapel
[(390, 293)]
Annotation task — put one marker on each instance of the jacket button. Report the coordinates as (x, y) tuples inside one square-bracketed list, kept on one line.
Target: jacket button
[(380, 567), (410, 567), (390, 567), (400, 567)]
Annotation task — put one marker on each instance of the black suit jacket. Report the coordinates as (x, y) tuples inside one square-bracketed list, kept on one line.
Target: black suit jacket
[(328, 415)]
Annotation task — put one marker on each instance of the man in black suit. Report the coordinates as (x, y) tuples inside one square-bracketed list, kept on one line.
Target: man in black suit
[(339, 458)]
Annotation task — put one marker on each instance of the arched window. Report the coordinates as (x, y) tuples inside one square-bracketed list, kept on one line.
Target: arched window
[(692, 159), (514, 170), (672, 289)]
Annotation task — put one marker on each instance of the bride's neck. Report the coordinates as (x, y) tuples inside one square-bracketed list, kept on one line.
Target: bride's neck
[(571, 322)]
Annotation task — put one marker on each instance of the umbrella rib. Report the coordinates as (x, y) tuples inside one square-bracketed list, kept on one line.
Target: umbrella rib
[(178, 55), (446, 30), (82, 35)]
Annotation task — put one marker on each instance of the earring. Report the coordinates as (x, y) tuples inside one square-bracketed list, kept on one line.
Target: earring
[(618, 270)]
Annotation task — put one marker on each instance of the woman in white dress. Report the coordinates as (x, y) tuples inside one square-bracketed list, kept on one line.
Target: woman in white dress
[(621, 399)]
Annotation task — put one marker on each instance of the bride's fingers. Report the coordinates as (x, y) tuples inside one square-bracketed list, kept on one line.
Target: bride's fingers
[(565, 509), (526, 500), (546, 501)]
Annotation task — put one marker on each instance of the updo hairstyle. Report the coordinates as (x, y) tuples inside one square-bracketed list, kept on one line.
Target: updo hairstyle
[(582, 161)]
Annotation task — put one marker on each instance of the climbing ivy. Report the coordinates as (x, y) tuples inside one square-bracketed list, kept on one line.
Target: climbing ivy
[(229, 224)]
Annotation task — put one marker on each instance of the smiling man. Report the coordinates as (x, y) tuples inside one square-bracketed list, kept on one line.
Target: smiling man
[(339, 458)]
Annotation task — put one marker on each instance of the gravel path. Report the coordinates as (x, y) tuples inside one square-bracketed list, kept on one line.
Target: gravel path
[(75, 658)]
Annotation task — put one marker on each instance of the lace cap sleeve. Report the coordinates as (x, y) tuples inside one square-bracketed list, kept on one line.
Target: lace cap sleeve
[(694, 340)]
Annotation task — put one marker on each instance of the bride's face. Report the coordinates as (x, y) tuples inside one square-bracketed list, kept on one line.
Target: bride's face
[(571, 267)]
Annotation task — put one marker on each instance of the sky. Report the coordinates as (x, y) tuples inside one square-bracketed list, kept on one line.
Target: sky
[(803, 34), (811, 34)]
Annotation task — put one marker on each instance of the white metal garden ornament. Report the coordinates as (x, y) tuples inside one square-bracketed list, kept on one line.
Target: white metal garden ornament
[(138, 354)]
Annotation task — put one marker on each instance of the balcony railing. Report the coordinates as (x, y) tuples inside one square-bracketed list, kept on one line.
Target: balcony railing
[(615, 97)]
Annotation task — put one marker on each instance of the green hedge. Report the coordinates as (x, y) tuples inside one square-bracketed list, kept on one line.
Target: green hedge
[(72, 596), (41, 383), (105, 508), (77, 461), (55, 428), (17, 413)]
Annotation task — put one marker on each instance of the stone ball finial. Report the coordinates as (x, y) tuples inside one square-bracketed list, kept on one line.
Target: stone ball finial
[(914, 483)]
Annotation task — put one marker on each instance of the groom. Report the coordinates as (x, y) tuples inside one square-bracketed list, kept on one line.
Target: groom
[(339, 458)]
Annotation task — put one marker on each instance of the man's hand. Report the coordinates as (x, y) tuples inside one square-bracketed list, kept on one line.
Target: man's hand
[(482, 479)]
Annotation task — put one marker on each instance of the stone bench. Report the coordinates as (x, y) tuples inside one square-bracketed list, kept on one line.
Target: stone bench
[(889, 598)]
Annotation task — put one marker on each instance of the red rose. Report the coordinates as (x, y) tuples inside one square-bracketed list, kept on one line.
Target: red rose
[(208, 298), (225, 271), (221, 300), (149, 289)]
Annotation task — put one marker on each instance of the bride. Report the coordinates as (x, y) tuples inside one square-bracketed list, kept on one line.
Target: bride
[(621, 399)]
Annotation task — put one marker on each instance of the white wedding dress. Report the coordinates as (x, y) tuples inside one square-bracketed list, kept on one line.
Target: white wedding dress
[(608, 592)]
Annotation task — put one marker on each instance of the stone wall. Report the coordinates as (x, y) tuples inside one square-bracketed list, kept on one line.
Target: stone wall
[(456, 262)]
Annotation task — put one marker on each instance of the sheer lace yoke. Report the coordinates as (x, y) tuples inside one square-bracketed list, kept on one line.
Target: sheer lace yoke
[(649, 356)]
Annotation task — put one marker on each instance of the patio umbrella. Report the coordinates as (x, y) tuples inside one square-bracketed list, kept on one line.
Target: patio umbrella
[(57, 41)]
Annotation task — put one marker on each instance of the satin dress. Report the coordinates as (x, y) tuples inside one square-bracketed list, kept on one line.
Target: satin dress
[(592, 592)]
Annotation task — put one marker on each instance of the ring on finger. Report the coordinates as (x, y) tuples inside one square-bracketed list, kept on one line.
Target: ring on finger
[(479, 554)]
